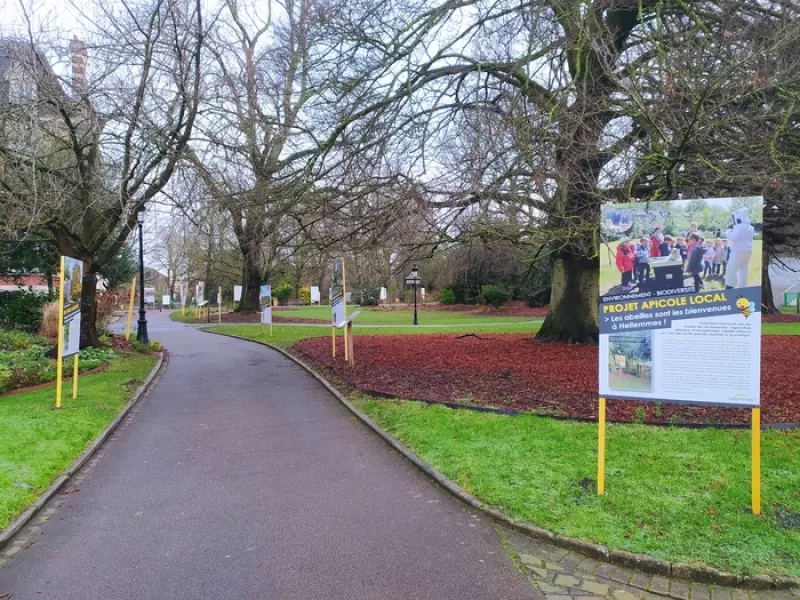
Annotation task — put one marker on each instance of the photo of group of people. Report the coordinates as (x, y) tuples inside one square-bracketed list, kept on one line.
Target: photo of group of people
[(682, 244)]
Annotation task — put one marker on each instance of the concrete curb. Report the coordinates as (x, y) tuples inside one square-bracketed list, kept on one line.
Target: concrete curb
[(12, 530), (638, 562)]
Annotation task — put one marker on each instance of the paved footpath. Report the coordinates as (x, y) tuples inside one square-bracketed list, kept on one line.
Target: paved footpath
[(240, 477)]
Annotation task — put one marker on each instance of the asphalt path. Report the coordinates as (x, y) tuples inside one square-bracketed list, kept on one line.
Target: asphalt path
[(240, 477)]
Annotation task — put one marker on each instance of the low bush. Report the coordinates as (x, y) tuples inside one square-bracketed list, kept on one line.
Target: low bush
[(369, 296), (448, 296), (282, 293), (495, 295), (22, 309), (24, 361)]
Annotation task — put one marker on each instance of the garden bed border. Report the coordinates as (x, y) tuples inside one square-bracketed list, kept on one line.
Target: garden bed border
[(641, 562), (7, 535)]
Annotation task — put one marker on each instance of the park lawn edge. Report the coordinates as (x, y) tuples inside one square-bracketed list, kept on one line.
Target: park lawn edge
[(692, 569), (146, 366), (499, 501)]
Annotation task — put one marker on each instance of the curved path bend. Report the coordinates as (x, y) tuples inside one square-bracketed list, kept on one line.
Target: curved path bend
[(240, 477)]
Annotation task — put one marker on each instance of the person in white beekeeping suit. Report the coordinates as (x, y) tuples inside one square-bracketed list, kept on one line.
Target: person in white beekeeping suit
[(740, 240)]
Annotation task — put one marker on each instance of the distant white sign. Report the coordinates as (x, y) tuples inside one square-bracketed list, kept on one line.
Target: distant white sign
[(422, 292), (166, 300), (200, 292), (237, 293), (384, 293), (149, 295), (316, 298)]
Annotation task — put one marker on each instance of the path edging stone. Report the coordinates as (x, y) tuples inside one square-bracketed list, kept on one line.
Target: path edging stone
[(7, 535), (640, 562)]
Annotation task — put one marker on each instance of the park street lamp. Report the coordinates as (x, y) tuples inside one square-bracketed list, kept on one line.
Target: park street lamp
[(413, 281), (141, 331)]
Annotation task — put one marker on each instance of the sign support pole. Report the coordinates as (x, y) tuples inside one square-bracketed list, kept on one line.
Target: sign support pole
[(756, 459), (333, 342), (75, 376), (601, 448), (130, 309), (60, 342), (344, 303)]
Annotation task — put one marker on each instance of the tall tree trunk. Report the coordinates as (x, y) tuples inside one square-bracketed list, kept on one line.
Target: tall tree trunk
[(573, 303), (767, 297), (89, 335), (251, 278)]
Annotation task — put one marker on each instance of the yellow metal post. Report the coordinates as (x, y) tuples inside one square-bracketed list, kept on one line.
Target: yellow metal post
[(756, 468), (344, 303), (333, 342), (74, 376), (350, 341), (60, 342), (601, 448), (270, 328), (130, 310)]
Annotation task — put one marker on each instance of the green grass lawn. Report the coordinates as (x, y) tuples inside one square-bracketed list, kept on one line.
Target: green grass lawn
[(37, 442), (678, 494), (286, 335)]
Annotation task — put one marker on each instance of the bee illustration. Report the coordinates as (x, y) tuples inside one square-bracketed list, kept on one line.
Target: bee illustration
[(746, 306)]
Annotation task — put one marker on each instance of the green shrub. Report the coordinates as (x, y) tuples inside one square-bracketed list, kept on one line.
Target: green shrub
[(370, 296), (448, 295), (494, 295), (156, 346), (282, 293), (305, 295), (22, 309), (140, 347)]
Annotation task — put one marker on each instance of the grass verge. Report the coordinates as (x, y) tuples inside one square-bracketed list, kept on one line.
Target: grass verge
[(288, 335), (682, 495), (37, 442)]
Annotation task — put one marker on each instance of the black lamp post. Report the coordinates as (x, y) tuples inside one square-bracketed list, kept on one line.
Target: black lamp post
[(413, 281), (141, 331)]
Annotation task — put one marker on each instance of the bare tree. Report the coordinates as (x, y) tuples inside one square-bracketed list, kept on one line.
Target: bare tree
[(84, 152), (539, 112)]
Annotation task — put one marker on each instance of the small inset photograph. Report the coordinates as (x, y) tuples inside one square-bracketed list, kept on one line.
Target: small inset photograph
[(630, 361)]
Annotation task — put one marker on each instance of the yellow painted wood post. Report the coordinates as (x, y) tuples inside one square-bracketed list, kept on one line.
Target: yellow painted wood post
[(60, 342), (344, 303), (756, 458), (74, 376), (270, 328), (333, 342), (601, 448), (350, 338), (130, 310)]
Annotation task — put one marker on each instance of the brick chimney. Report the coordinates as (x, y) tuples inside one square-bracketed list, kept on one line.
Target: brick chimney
[(80, 56)]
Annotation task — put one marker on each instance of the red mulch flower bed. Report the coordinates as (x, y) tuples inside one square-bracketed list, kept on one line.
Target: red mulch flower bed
[(514, 372), (511, 309)]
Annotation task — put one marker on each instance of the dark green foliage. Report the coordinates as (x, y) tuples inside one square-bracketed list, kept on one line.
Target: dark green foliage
[(22, 309), (28, 257), (119, 269), (282, 292), (369, 296), (494, 295), (448, 296)]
